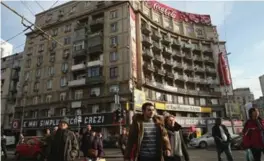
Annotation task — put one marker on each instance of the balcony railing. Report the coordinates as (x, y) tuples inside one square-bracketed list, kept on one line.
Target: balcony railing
[(81, 52), (97, 21), (167, 50), (210, 70), (95, 63), (198, 58), (168, 62), (156, 47), (176, 44), (146, 41), (147, 53), (148, 67), (158, 58), (187, 46), (95, 80), (206, 58), (166, 40), (197, 48), (78, 67), (146, 29), (78, 82), (170, 75), (156, 35)]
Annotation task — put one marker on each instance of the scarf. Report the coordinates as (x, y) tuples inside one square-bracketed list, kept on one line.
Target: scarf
[(177, 144)]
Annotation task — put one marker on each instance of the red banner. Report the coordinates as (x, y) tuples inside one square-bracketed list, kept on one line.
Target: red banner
[(223, 70), (179, 15)]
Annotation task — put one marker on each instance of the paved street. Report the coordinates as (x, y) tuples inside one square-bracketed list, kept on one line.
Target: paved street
[(196, 155)]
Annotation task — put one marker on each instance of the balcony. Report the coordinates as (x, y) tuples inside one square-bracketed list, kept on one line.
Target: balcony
[(196, 79), (179, 77), (76, 104), (176, 44), (147, 54), (97, 24), (95, 80), (78, 82), (82, 52), (78, 67), (15, 76), (208, 59), (178, 66), (188, 67), (188, 56), (156, 47), (187, 46), (167, 51), (158, 59), (160, 72), (210, 70), (146, 41), (197, 48), (199, 69), (170, 75), (79, 35), (168, 62), (95, 63), (197, 58), (95, 35), (166, 40), (156, 35), (95, 49), (207, 50), (177, 54), (146, 29), (213, 81), (148, 67)]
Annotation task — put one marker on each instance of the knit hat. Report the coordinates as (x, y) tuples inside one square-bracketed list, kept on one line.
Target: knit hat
[(64, 120)]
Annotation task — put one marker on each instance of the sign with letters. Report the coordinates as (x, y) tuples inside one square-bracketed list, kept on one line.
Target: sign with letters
[(189, 121), (185, 108), (94, 119)]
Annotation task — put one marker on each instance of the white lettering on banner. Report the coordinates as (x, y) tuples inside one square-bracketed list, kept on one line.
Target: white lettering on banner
[(165, 11), (191, 121), (94, 120), (48, 123), (187, 108)]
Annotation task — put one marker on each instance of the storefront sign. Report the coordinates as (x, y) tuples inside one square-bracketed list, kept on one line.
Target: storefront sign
[(188, 121), (185, 108), (15, 124), (139, 99), (96, 119)]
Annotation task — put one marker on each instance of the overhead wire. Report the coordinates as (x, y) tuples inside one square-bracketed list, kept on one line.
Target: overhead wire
[(24, 3), (39, 5)]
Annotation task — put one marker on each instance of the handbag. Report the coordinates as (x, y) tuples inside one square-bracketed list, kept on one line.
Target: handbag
[(249, 155), (92, 153)]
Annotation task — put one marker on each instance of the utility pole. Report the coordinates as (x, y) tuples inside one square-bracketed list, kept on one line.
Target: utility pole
[(119, 111)]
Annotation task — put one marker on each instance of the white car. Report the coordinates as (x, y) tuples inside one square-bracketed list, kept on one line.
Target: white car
[(205, 140)]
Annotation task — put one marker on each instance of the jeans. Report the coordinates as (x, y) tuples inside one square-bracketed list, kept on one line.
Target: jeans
[(256, 154), (224, 148)]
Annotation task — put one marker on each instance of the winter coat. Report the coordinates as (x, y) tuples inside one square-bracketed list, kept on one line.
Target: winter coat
[(252, 131), (216, 133), (177, 127), (123, 141), (86, 141), (69, 143), (136, 135)]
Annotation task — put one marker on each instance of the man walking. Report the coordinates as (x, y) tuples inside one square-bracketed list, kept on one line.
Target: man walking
[(87, 140), (3, 145), (222, 140), (64, 146), (148, 139), (123, 140)]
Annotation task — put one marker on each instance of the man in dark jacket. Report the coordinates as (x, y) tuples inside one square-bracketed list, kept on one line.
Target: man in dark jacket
[(123, 140), (64, 146), (87, 140), (178, 147), (3, 145), (222, 140)]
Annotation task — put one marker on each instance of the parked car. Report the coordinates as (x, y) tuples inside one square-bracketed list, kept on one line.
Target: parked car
[(31, 147), (205, 141)]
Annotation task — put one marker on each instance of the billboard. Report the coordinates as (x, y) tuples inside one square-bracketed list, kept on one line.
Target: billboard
[(133, 45)]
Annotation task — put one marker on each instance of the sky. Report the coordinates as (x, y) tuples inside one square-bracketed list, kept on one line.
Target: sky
[(240, 24)]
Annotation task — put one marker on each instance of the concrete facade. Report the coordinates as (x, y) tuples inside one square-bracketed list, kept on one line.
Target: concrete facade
[(261, 80)]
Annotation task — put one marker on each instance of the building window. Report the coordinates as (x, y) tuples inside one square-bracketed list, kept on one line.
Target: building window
[(191, 100), (26, 76), (113, 14), (180, 99), (95, 91), (214, 101), (114, 41), (36, 100), (49, 84), (78, 94), (64, 67), (78, 46), (63, 81), (63, 112), (28, 63), (114, 72), (94, 72), (67, 40), (63, 96), (113, 56), (41, 47), (53, 44), (114, 27), (51, 71), (66, 53), (38, 73), (55, 32), (25, 89), (34, 114), (202, 101), (114, 88), (36, 86), (67, 28), (169, 98), (39, 60), (95, 108), (73, 9), (48, 98)]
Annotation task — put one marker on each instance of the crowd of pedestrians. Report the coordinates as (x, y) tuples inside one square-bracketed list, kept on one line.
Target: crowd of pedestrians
[(151, 137)]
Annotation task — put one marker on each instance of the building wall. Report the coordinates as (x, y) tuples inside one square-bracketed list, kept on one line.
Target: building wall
[(261, 80), (10, 72)]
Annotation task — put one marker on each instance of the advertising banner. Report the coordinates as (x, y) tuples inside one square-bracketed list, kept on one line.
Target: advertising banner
[(133, 45), (93, 119), (139, 99)]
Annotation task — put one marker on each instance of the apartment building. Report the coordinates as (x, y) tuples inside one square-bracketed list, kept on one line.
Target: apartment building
[(10, 75), (130, 47)]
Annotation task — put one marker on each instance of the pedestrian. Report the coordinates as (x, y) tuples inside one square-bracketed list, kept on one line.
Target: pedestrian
[(3, 145), (87, 141), (253, 134), (178, 147), (222, 140), (64, 146), (95, 152), (46, 142), (55, 130), (148, 139), (78, 137), (100, 145), (123, 140)]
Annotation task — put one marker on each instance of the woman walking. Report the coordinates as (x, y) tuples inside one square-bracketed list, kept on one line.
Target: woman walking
[(178, 147), (253, 134)]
